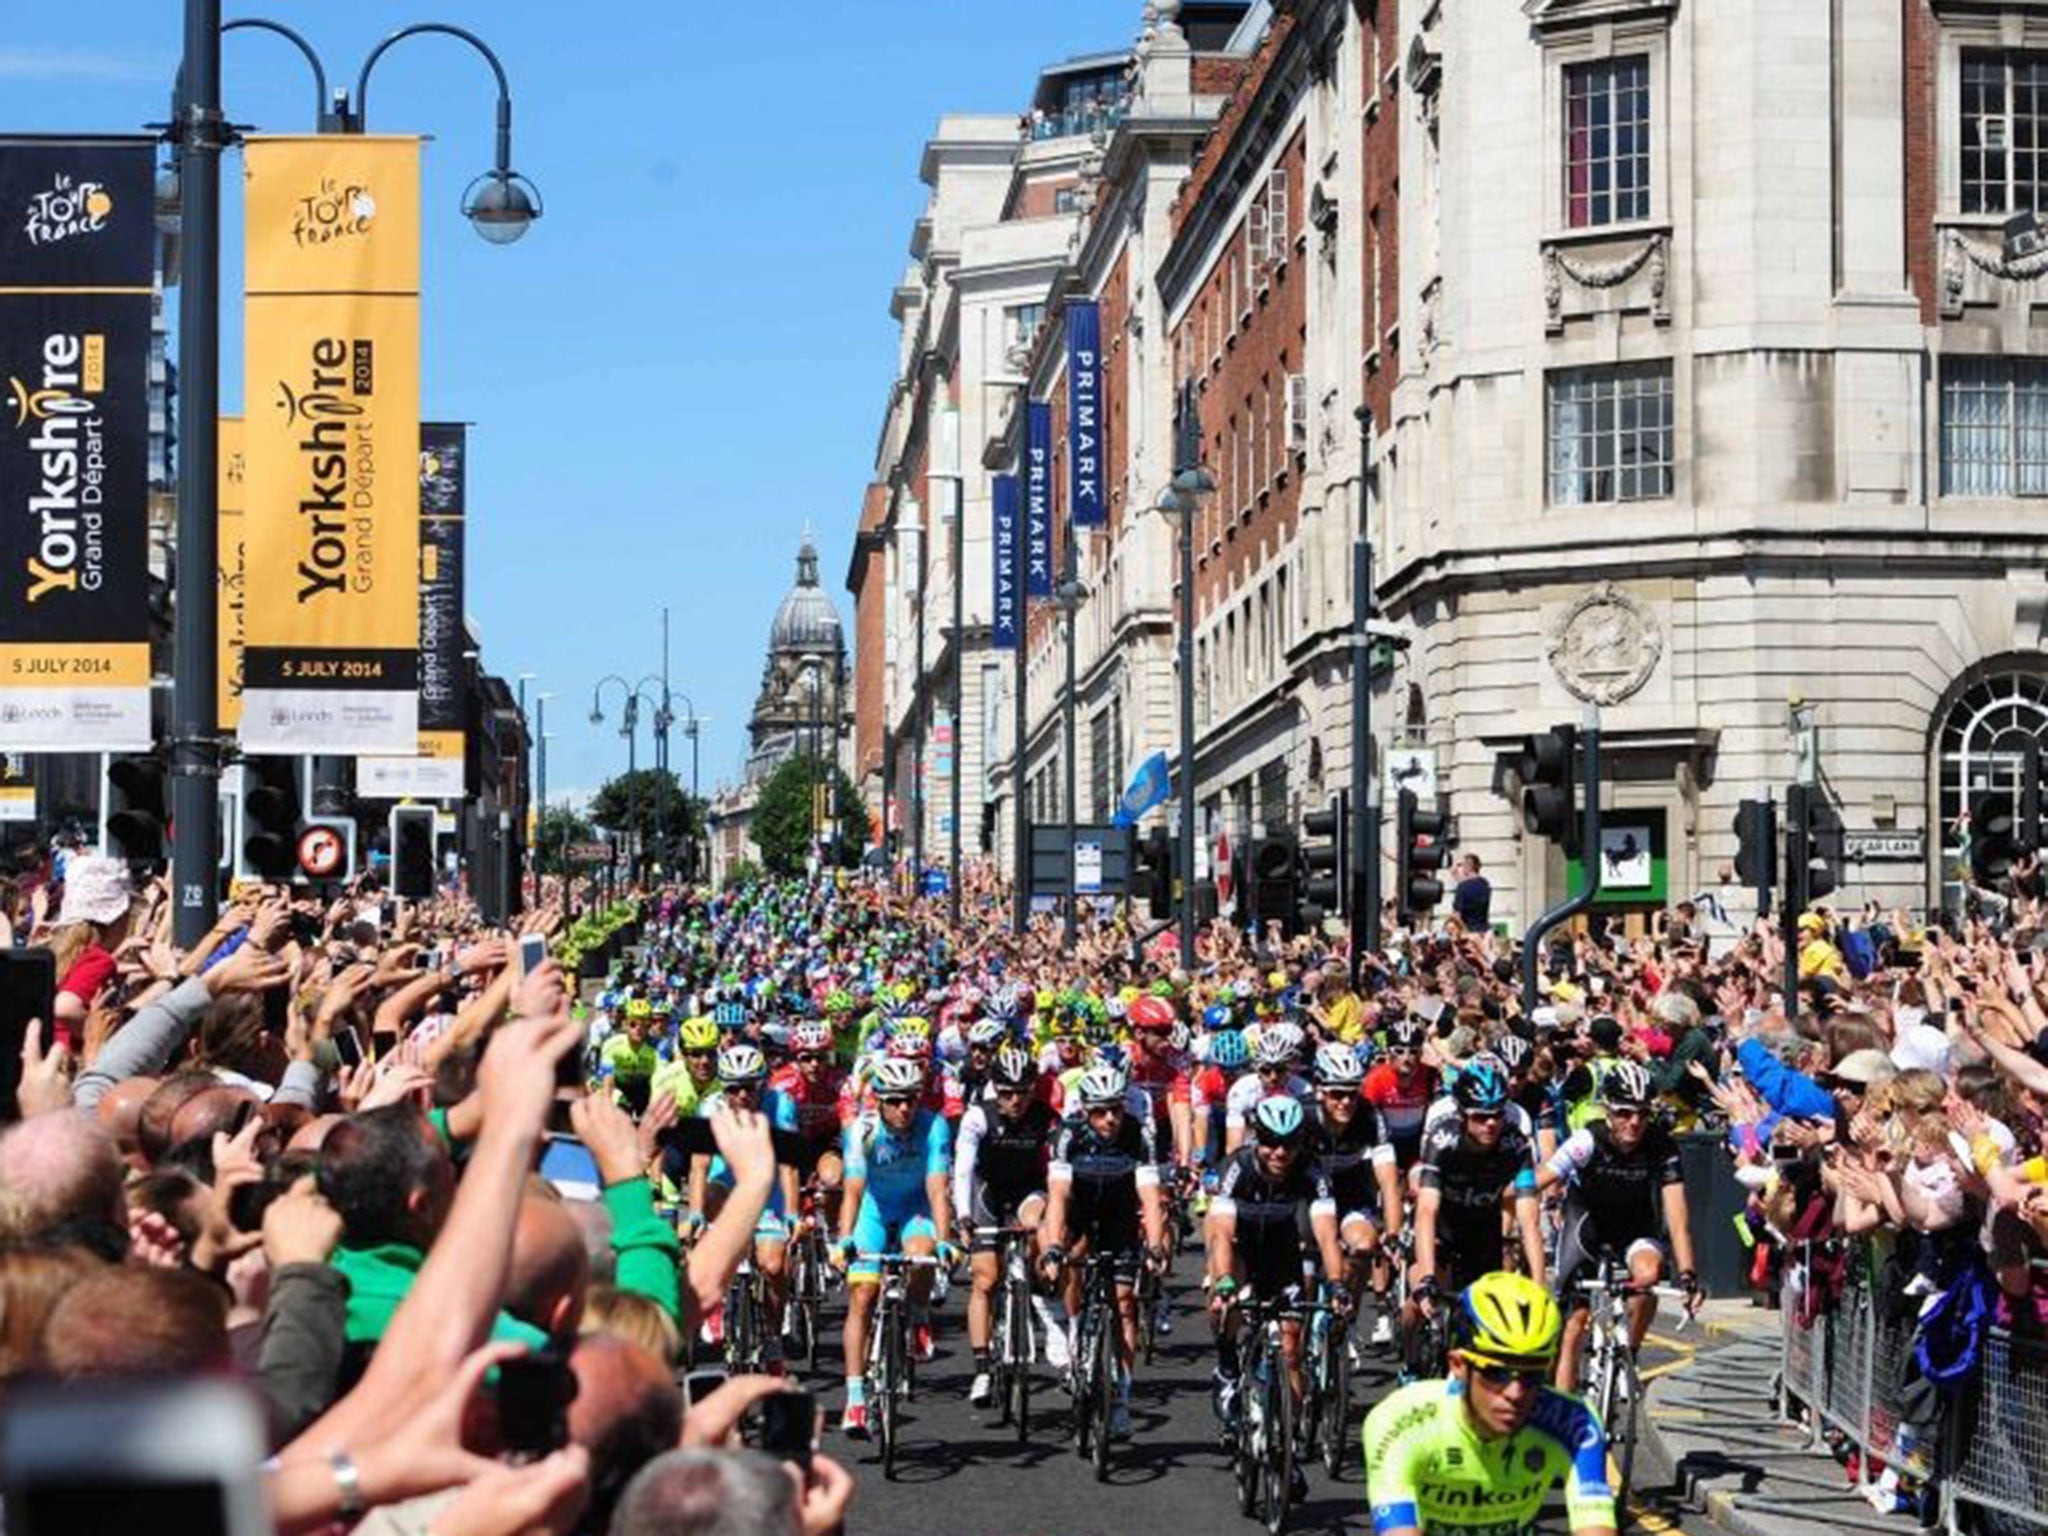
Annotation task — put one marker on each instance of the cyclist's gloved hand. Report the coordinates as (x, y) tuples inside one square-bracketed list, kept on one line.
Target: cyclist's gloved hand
[(1222, 1293), (1695, 1295), (948, 1255)]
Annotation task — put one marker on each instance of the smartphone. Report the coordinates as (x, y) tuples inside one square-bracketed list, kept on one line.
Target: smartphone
[(693, 1136), (28, 991), (568, 1164), (106, 1459), (785, 1425), (534, 1393), (348, 1045), (701, 1381), (533, 950), (431, 960)]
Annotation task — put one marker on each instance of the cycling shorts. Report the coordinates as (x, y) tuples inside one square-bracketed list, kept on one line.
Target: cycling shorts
[(874, 1234)]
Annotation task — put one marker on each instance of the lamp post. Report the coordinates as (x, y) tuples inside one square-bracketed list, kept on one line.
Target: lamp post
[(813, 666), (501, 205), (1182, 501), (540, 784), (1070, 595)]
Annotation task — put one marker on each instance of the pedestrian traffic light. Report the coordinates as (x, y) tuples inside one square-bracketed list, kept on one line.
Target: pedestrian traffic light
[(1275, 880), (1756, 848), (270, 816), (136, 815), (1419, 853), (1325, 840), (412, 851), (1824, 844), (1994, 836), (1549, 798), (1155, 873)]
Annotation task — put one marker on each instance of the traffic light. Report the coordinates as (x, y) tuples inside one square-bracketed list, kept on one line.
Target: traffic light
[(270, 816), (1756, 847), (1325, 842), (1994, 836), (412, 851), (1419, 852), (136, 815), (1155, 873), (1275, 880), (1549, 789), (1824, 844)]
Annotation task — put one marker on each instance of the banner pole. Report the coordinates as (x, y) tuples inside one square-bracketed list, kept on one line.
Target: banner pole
[(195, 748)]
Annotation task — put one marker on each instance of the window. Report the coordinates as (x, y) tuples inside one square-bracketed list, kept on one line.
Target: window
[(1610, 434), (1066, 199), (1607, 142), (1021, 323), (2005, 130), (1994, 427)]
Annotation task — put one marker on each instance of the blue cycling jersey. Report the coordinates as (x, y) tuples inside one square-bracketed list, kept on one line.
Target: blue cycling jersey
[(896, 1167)]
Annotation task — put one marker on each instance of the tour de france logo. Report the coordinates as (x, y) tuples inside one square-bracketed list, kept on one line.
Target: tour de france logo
[(335, 212), (70, 209)]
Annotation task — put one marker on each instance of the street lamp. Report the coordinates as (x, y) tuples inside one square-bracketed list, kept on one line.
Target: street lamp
[(1071, 593), (500, 205), (813, 667), (540, 736), (1182, 502)]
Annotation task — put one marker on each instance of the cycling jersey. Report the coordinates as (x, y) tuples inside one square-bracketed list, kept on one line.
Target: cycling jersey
[(819, 1106), (1106, 1173), (1346, 1156), (999, 1163), (674, 1079), (1272, 1216), (1403, 1104), (895, 1167), (1470, 1180), (1428, 1467), (1614, 1200)]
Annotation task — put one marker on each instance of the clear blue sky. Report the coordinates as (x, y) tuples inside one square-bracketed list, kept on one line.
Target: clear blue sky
[(687, 358)]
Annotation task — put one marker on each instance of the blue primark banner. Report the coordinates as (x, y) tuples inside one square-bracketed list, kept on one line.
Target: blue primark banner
[(1084, 414), (1003, 624), (1038, 501)]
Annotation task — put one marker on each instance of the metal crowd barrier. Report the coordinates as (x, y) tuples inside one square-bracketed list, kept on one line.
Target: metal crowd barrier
[(1849, 1369)]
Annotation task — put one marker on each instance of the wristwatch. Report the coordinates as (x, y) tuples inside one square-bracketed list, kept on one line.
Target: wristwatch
[(348, 1484)]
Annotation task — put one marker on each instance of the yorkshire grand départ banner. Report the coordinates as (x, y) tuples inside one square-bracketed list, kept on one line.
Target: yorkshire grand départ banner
[(437, 772), (331, 438), (77, 264)]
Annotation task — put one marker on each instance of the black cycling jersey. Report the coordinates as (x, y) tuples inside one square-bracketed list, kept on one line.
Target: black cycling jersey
[(1273, 1232), (1010, 1155), (1470, 1178), (1345, 1156), (1620, 1193), (1106, 1174)]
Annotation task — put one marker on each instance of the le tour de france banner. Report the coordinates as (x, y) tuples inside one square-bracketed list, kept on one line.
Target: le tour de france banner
[(331, 438), (437, 772), (1084, 414), (77, 267)]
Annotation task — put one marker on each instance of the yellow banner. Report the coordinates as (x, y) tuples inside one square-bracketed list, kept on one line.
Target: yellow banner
[(234, 568), (331, 442)]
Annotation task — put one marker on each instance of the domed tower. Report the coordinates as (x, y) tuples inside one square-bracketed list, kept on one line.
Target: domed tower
[(806, 650)]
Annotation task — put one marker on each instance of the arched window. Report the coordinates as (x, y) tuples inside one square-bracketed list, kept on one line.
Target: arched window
[(1983, 734)]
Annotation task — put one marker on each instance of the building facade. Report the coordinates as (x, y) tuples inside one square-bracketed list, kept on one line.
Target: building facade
[(1675, 356)]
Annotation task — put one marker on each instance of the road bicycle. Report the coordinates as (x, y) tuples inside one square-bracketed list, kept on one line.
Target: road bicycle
[(746, 1321), (891, 1364), (810, 1265), (1613, 1382), (1326, 1400), (1093, 1369), (1012, 1349), (1263, 1443)]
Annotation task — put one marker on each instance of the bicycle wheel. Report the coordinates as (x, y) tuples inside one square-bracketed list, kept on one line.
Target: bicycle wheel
[(1336, 1405), (893, 1356), (1279, 1479), (1019, 1362), (1082, 1378), (1621, 1426), (1104, 1371), (1243, 1443)]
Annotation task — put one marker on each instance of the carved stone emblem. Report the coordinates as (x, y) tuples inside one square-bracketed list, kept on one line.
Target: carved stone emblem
[(1605, 645)]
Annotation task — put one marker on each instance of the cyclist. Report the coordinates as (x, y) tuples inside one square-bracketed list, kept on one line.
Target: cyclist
[(1272, 1075), (743, 1083), (1625, 1197), (1481, 1450), (812, 1081), (1530, 1087), (1102, 1195), (1270, 1205), (1464, 1170), (693, 1077), (1353, 1155), (899, 1159), (984, 1038), (1162, 1072), (1401, 1088), (629, 1058), (999, 1180), (1209, 1092)]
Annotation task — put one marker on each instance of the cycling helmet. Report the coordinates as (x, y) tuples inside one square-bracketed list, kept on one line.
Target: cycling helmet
[(810, 1037), (1506, 1319), (1100, 1087), (897, 1078), (1337, 1067), (700, 1034), (1216, 1016), (742, 1066), (1006, 1002), (1227, 1049), (1513, 1052), (1482, 1085), (1278, 1045), (839, 1000), (1113, 1010), (989, 1032), (1013, 1068), (1278, 1121), (1627, 1085), (1405, 1035), (1112, 1055), (639, 1008), (1151, 1013)]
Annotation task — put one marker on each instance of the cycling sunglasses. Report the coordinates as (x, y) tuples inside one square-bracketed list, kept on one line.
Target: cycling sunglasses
[(1501, 1377), (811, 1058), (900, 1100)]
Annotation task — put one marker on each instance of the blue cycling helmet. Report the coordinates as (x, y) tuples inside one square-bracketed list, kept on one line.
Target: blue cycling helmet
[(1216, 1016), (1227, 1049), (1278, 1121), (1482, 1085)]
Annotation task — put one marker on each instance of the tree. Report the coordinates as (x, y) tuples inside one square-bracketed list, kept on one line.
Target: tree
[(558, 828), (783, 816), (653, 804)]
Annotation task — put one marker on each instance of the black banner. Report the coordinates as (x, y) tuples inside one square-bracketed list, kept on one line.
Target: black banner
[(444, 494), (77, 267)]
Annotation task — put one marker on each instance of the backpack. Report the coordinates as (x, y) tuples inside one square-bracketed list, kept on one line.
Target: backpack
[(1950, 1340)]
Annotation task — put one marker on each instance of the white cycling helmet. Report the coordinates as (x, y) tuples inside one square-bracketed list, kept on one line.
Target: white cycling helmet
[(1100, 1087), (1279, 1044), (896, 1076), (742, 1064), (1337, 1067), (987, 1032)]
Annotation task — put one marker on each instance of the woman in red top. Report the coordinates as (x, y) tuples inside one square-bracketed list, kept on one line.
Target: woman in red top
[(91, 924)]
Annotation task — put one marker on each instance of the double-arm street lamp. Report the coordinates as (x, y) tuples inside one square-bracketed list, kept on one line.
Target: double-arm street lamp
[(1182, 502), (500, 203)]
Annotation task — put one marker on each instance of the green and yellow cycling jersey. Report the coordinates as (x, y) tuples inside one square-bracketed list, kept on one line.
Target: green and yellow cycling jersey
[(1428, 1468)]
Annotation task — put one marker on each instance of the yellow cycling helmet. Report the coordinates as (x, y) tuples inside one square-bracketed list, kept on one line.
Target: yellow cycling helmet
[(700, 1034), (639, 1008), (1506, 1319)]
